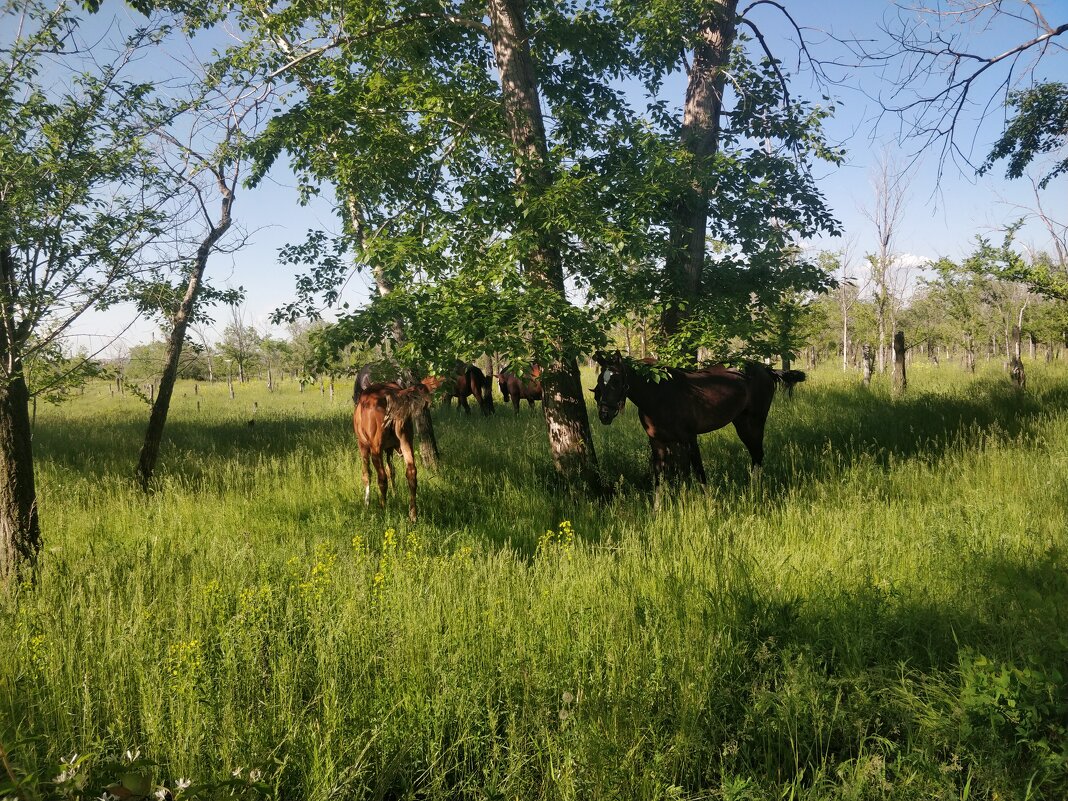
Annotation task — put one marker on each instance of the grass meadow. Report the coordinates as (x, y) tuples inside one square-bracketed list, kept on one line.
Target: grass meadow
[(885, 617)]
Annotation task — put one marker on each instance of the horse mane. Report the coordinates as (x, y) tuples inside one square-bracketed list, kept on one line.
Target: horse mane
[(405, 403)]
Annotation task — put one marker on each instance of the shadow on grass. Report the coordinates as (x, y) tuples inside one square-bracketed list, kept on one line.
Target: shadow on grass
[(112, 448), (827, 429), (496, 472), (977, 674)]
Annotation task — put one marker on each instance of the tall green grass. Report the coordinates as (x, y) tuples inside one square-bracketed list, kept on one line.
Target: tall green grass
[(885, 616)]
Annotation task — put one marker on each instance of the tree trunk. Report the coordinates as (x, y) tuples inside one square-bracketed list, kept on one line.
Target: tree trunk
[(845, 340), (146, 464), (900, 382), (700, 138), (564, 404), (20, 531), (882, 343), (1016, 366), (869, 364)]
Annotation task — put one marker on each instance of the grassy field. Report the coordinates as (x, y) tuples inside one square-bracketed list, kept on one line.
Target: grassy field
[(886, 617)]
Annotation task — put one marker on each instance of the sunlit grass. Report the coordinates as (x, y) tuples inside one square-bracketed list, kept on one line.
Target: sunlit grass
[(884, 617)]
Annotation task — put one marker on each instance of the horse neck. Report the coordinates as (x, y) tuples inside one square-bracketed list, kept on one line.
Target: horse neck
[(639, 389)]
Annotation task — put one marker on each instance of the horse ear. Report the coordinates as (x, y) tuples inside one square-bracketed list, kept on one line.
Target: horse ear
[(617, 357), (600, 358)]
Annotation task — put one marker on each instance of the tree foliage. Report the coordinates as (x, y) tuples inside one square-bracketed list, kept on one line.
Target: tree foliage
[(1038, 127), (400, 119)]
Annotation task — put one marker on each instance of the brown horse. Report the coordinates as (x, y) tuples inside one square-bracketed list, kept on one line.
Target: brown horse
[(470, 380), (516, 389), (382, 420), (683, 404)]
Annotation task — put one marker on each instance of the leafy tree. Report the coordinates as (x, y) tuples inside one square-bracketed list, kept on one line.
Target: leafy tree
[(736, 190), (476, 219), (80, 199), (240, 345), (149, 360)]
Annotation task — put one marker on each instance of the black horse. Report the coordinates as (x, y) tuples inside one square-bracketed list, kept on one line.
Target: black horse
[(683, 404)]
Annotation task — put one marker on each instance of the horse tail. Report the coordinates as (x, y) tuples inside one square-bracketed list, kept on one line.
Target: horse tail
[(405, 403), (788, 378)]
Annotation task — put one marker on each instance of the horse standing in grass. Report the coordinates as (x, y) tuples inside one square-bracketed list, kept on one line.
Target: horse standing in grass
[(382, 420), (515, 389), (682, 405), (470, 380)]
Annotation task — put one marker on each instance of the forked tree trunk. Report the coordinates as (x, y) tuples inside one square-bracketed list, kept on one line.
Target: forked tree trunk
[(700, 138), (1016, 365), (146, 464), (564, 405)]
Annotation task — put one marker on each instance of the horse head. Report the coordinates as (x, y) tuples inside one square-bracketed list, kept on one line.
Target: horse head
[(612, 385)]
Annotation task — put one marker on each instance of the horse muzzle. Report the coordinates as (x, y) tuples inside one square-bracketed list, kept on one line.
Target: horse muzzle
[(606, 414)]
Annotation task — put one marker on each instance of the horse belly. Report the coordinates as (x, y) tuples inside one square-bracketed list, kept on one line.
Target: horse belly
[(722, 414)]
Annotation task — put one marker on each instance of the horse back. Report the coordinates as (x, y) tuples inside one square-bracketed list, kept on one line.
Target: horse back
[(374, 428), (693, 402)]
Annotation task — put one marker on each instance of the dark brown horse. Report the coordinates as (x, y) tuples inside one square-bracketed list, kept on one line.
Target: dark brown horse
[(683, 404), (382, 420), (516, 389), (470, 380)]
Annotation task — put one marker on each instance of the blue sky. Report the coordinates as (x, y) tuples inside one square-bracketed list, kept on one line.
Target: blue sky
[(942, 217)]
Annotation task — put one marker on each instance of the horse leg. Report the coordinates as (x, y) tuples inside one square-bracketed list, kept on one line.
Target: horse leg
[(696, 464), (387, 459), (515, 402), (410, 474), (476, 391), (365, 452), (380, 470), (461, 402), (751, 433), (530, 403)]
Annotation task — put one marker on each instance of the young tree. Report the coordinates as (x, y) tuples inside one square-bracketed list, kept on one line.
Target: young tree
[(80, 198), (212, 150), (888, 187), (240, 343)]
